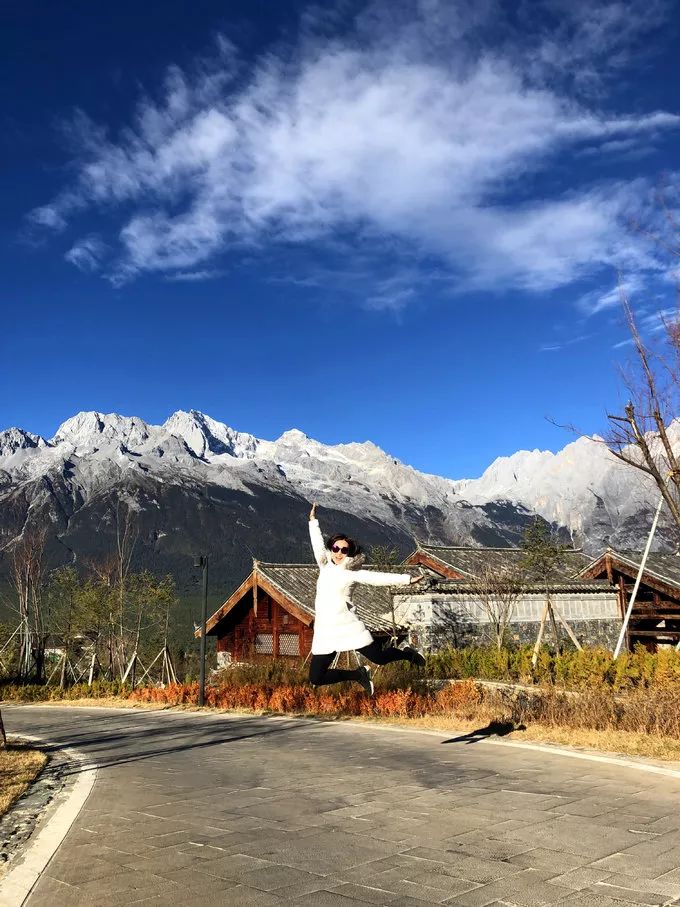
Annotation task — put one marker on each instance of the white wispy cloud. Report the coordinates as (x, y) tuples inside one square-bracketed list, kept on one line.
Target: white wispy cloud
[(587, 43), (657, 321), (650, 323), (194, 276), (87, 254), (407, 126), (377, 284), (596, 301), (556, 345)]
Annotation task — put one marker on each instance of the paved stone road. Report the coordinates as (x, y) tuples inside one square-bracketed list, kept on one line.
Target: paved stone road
[(204, 810)]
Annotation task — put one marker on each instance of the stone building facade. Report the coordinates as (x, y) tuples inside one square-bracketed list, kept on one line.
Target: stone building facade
[(451, 614)]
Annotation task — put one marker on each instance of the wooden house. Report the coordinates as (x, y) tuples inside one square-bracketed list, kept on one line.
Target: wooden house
[(655, 619), (271, 614)]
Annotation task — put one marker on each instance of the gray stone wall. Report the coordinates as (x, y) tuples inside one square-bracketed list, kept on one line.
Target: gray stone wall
[(441, 620), (588, 632), (462, 632)]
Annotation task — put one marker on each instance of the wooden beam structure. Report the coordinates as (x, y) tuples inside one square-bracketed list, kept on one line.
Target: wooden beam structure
[(657, 602), (424, 559)]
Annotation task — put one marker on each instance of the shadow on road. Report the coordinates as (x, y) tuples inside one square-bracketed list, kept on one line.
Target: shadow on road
[(493, 729), (108, 740), (135, 744)]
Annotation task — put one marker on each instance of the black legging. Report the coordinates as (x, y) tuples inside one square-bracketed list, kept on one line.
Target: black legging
[(320, 671)]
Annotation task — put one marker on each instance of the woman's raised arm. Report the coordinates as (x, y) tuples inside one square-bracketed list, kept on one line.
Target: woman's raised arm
[(316, 538)]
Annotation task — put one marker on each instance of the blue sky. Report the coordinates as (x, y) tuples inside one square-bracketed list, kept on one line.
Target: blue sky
[(403, 222)]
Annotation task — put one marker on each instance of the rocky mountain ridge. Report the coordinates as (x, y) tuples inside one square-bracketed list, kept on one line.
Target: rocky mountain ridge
[(194, 483)]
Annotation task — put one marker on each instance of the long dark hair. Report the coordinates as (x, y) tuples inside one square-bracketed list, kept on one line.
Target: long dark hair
[(354, 547)]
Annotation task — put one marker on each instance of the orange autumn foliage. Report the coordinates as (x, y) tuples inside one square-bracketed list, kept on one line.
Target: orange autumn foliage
[(454, 699)]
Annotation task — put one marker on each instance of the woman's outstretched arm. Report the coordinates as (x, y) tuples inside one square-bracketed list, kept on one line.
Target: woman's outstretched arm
[(316, 538), (375, 578)]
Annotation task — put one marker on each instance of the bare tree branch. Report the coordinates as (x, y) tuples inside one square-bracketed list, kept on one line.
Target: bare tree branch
[(497, 591)]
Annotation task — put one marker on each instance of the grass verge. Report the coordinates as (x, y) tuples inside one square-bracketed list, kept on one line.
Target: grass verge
[(609, 743), (19, 766)]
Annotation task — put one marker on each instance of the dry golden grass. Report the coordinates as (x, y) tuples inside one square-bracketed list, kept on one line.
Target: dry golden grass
[(612, 743), (620, 743), (104, 702), (19, 765)]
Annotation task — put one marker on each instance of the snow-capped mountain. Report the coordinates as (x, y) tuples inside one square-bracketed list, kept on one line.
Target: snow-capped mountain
[(195, 484), (584, 488)]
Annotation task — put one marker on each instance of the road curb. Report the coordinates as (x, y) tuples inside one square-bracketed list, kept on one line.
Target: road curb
[(20, 880)]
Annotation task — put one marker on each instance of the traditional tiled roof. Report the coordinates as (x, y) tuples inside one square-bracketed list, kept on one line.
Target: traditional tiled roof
[(471, 562), (663, 567), (465, 587)]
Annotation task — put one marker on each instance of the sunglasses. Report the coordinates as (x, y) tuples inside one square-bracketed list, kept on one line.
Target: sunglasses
[(339, 549)]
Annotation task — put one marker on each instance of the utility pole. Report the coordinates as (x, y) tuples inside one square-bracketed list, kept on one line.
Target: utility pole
[(202, 561)]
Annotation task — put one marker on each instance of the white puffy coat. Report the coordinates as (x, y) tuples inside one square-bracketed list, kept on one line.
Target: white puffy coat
[(336, 625)]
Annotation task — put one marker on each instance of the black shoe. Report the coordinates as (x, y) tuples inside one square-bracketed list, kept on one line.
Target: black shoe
[(366, 680), (414, 656)]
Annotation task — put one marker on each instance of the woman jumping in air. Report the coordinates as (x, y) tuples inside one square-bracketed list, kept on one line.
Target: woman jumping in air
[(336, 625)]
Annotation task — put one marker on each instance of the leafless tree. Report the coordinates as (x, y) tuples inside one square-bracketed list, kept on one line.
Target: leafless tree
[(386, 556), (498, 590), (639, 434), (27, 576), (542, 561), (126, 539), (110, 575)]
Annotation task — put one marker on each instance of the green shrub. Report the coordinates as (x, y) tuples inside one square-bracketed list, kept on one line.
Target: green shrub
[(573, 669), (35, 692), (277, 671)]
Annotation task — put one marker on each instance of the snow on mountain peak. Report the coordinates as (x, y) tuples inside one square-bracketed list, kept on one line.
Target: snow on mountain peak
[(364, 448), (294, 434), (88, 429), (14, 439), (206, 437), (567, 488), (356, 452)]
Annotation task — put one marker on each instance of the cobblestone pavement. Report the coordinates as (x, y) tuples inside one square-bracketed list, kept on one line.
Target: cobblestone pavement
[(217, 809)]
